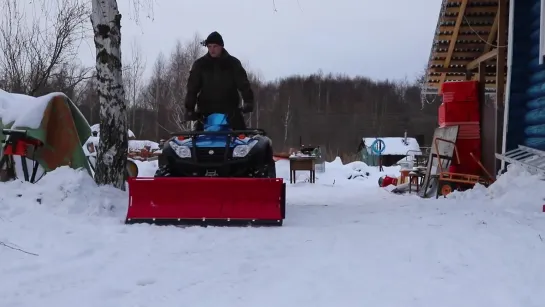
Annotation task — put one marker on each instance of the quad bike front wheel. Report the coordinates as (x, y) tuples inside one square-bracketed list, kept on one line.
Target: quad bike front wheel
[(131, 169)]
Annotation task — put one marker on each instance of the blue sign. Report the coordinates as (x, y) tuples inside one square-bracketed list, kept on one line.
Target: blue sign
[(378, 147)]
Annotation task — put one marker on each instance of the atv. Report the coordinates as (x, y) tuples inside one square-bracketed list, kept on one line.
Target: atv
[(218, 151), (217, 176)]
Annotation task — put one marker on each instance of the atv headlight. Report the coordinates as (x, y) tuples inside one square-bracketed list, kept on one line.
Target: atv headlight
[(242, 151), (181, 150)]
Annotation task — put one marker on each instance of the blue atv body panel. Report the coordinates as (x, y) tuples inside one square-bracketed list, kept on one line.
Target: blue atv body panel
[(215, 122)]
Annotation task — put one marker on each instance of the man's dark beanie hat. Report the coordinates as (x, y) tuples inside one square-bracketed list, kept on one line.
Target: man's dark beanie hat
[(214, 38)]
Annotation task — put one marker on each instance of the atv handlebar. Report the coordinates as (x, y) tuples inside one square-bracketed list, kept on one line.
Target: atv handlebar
[(199, 117), (231, 132)]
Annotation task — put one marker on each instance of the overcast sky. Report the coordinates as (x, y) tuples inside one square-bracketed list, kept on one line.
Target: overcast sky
[(378, 39)]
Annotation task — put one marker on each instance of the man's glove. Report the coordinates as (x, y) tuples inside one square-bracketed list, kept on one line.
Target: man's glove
[(190, 116), (247, 107)]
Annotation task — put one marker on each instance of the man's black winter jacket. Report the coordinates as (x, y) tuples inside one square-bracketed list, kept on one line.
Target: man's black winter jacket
[(214, 85)]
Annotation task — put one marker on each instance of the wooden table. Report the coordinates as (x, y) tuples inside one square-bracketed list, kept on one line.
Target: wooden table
[(303, 164), (416, 178), (404, 175)]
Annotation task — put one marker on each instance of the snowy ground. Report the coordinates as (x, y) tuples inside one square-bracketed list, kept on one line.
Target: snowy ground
[(345, 243)]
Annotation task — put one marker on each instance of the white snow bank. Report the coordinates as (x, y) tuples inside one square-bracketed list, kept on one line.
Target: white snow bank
[(146, 168), (516, 189), (63, 191), (24, 110)]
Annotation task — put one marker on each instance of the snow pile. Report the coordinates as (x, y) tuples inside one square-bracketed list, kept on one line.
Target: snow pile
[(516, 188), (356, 170), (146, 168), (23, 110), (64, 192)]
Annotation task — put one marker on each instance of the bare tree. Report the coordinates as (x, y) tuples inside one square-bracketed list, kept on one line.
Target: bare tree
[(380, 112), (35, 48), (287, 119), (87, 99), (401, 87), (134, 81), (157, 94), (112, 151), (181, 60), (256, 80)]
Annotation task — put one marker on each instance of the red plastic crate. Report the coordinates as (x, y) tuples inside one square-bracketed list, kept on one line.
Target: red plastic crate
[(469, 131), (466, 130), (456, 112), (441, 114), (467, 164), (460, 91), (469, 145)]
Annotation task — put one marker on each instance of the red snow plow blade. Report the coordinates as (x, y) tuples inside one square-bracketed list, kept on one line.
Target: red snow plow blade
[(206, 201)]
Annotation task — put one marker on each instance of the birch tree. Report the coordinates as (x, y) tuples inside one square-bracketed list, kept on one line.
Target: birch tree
[(112, 151)]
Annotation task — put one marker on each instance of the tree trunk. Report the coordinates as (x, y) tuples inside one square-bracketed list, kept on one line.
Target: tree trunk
[(112, 152)]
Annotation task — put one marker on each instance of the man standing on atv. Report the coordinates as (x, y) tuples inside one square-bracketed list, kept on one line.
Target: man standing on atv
[(214, 83)]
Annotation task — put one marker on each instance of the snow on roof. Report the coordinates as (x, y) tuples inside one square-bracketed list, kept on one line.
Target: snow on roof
[(96, 128), (23, 110), (396, 145)]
